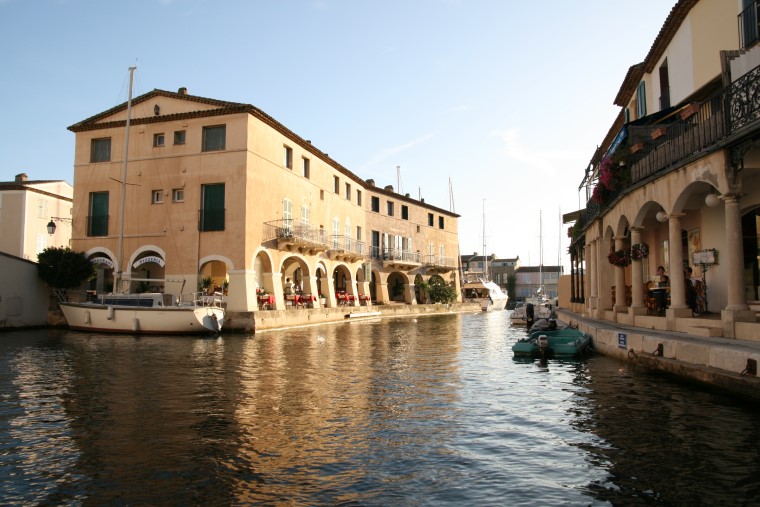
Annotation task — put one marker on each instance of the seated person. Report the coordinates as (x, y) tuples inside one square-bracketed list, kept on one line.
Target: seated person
[(661, 296), (691, 290)]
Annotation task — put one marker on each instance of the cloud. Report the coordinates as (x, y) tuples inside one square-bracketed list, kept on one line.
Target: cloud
[(545, 159), (393, 150)]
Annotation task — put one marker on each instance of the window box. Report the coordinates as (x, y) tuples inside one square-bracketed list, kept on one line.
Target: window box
[(659, 132)]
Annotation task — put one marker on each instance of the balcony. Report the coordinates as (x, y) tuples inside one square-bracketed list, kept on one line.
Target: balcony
[(394, 258), (293, 236), (695, 129), (344, 248), (440, 264)]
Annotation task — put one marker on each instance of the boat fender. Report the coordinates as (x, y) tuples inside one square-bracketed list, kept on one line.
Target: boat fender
[(109, 313), (135, 324), (87, 316)]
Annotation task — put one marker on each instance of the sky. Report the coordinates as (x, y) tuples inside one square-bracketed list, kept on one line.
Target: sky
[(488, 108)]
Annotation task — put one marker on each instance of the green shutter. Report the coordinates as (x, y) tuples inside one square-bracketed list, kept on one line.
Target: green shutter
[(212, 208), (98, 221)]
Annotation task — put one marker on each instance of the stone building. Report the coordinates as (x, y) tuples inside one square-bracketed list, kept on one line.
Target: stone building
[(219, 193)]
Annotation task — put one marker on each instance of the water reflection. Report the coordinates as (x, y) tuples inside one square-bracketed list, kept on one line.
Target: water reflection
[(424, 411)]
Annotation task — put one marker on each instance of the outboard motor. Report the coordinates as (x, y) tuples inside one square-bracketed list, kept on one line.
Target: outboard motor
[(543, 347)]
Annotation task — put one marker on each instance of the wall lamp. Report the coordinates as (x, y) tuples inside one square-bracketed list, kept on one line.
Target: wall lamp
[(53, 220), (661, 216)]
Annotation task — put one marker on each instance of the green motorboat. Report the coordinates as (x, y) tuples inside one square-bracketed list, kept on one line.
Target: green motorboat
[(546, 343)]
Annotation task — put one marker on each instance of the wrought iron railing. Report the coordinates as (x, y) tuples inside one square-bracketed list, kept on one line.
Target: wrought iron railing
[(395, 254), (701, 128), (294, 231), (440, 261), (347, 244), (97, 225)]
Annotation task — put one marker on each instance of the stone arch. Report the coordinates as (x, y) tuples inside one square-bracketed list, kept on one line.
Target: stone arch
[(262, 265), (397, 282), (103, 261), (295, 268), (147, 269)]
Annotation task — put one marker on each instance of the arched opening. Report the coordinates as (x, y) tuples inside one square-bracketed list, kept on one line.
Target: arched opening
[(213, 277), (103, 279), (396, 282), (147, 273), (751, 250)]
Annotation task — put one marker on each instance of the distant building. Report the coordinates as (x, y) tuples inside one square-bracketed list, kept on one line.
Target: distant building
[(26, 208), (530, 278), (501, 269)]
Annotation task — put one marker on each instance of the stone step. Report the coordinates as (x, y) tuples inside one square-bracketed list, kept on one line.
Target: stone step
[(709, 331)]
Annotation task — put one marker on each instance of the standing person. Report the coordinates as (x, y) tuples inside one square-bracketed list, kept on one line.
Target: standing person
[(662, 295), (691, 291), (288, 286)]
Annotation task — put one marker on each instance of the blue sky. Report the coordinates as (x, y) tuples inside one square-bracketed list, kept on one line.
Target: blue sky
[(506, 99)]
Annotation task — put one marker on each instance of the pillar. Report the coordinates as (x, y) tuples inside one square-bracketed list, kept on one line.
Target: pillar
[(619, 278), (592, 266), (733, 256), (675, 267), (637, 277)]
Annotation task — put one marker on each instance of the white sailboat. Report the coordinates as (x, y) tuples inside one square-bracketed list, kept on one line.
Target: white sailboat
[(146, 313), (478, 287), (542, 308)]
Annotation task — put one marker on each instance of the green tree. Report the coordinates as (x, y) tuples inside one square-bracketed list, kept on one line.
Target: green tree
[(62, 268), (511, 285), (439, 291)]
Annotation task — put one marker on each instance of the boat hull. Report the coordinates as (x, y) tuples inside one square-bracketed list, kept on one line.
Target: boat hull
[(166, 320), (562, 343)]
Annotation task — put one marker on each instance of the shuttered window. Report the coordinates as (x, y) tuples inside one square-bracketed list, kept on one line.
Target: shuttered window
[(212, 208), (97, 222)]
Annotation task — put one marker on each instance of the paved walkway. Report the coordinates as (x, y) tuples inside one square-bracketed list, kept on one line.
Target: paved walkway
[(721, 362)]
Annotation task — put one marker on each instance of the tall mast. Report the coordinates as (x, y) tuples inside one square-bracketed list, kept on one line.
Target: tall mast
[(117, 276), (485, 259), (541, 250)]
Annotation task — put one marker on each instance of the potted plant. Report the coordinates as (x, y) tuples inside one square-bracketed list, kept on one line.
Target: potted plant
[(206, 284)]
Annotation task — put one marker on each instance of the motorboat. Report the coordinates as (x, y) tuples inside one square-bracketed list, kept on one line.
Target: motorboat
[(541, 310), (553, 339), (486, 293)]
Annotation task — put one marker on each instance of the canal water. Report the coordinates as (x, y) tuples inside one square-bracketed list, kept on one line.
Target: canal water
[(415, 411)]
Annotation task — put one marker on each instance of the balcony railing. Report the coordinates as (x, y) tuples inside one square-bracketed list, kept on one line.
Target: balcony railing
[(97, 225), (748, 25), (699, 129), (288, 233), (440, 262), (345, 246)]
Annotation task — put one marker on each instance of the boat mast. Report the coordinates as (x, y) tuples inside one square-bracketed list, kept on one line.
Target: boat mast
[(120, 252), (485, 259), (540, 252)]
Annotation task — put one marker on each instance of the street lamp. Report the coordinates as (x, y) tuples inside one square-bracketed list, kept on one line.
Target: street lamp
[(53, 220)]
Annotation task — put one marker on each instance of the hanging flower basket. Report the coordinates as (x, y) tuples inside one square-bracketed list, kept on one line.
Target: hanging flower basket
[(620, 258), (639, 251)]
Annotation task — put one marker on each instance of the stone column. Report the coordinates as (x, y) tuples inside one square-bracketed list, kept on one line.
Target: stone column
[(619, 279), (310, 287), (733, 255), (675, 267), (241, 293), (273, 284), (573, 298), (582, 274), (328, 291), (592, 266), (637, 276)]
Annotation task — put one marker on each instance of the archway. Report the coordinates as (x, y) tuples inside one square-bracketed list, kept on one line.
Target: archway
[(751, 250), (148, 272), (213, 277)]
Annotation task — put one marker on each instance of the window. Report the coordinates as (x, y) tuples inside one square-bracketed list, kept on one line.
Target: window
[(336, 233), (214, 138), (41, 242), (358, 233), (336, 184), (157, 197), (178, 195), (404, 212), (97, 221), (641, 100), (390, 208), (100, 150), (359, 197), (321, 195), (287, 214), (158, 139), (431, 220), (664, 86), (348, 191), (375, 204), (288, 161), (306, 168), (42, 208), (305, 215), (212, 208), (179, 137), (440, 222)]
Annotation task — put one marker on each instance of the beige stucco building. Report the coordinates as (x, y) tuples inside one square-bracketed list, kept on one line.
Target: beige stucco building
[(676, 182), (26, 208), (221, 190)]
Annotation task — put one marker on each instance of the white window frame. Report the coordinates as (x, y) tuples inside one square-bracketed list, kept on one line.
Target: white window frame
[(157, 197)]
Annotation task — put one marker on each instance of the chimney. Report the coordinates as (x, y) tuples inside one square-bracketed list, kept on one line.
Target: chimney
[(389, 188), (21, 177), (182, 91), (371, 182)]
